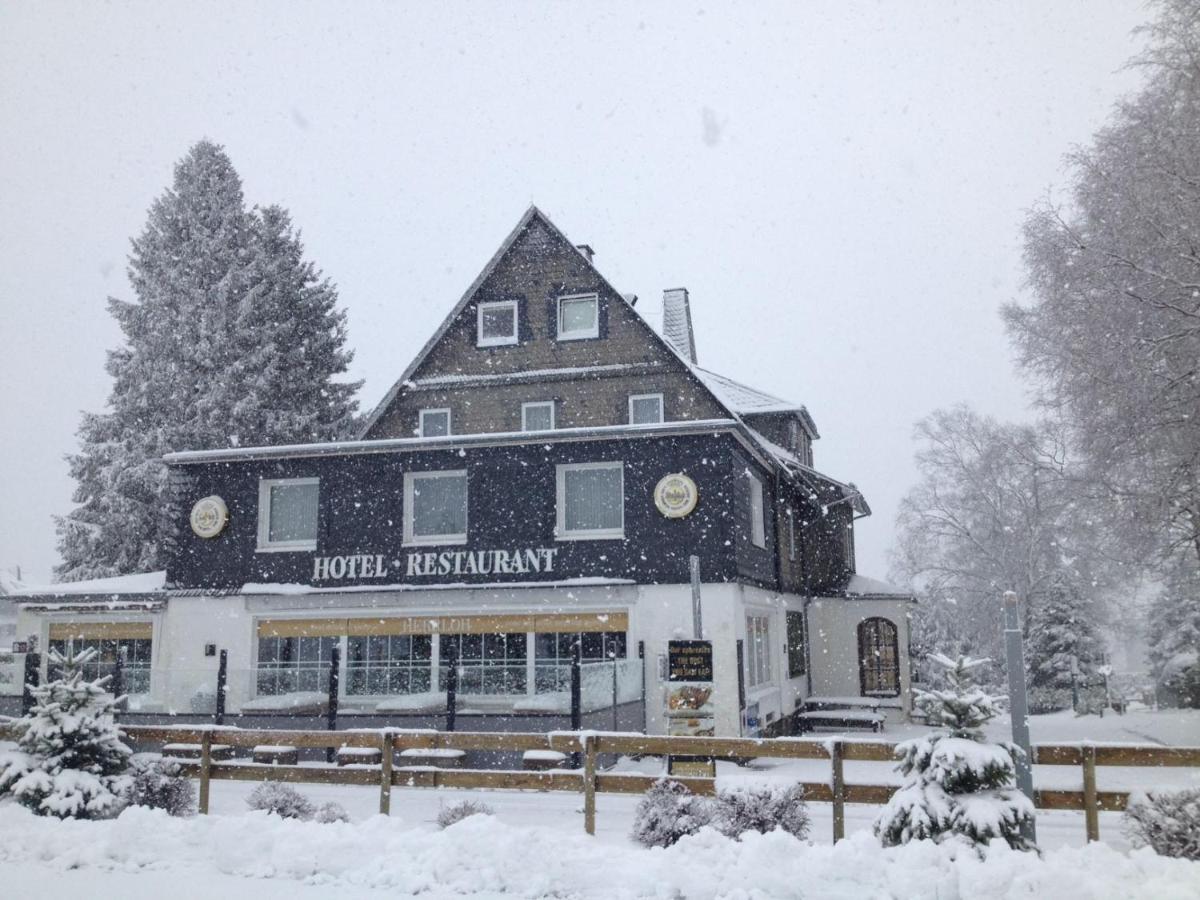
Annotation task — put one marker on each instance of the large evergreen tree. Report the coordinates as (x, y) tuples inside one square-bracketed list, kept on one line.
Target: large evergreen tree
[(1064, 627), (233, 339)]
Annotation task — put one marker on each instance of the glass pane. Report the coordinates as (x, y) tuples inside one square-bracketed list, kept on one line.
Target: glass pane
[(539, 417), (493, 646), (614, 644), (420, 681), (377, 647), (472, 646), (546, 646), (401, 647), (422, 645), (293, 515), (594, 499), (514, 645), (439, 505), (577, 316), (593, 645), (645, 409), (377, 681), (398, 681), (497, 322), (356, 649), (435, 424)]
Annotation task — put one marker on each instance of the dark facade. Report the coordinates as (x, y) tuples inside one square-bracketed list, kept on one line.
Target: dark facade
[(511, 506)]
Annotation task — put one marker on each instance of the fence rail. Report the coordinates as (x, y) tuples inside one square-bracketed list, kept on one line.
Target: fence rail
[(590, 781)]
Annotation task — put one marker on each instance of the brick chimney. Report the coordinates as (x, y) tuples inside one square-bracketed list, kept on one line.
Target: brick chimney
[(677, 322)]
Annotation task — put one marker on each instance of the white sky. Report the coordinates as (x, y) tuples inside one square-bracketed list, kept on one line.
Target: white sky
[(839, 185)]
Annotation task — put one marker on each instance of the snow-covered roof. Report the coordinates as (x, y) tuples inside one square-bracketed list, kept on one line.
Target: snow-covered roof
[(742, 398), (9, 584), (862, 586), (453, 441), (807, 474), (141, 583)]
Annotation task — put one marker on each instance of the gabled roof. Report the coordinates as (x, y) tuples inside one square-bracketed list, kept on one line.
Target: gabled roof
[(530, 214)]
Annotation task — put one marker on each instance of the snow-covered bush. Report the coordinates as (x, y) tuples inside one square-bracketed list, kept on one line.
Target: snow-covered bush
[(668, 812), (955, 783), (158, 785), (762, 808), (1167, 821), (456, 812), (331, 812), (69, 760), (1049, 699), (281, 799)]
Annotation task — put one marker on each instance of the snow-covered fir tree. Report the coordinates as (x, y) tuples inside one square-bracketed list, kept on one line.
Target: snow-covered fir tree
[(956, 783), (1174, 636), (1063, 627), (233, 339), (70, 761)]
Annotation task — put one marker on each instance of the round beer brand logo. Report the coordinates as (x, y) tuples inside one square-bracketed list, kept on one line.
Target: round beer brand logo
[(676, 495), (209, 516)]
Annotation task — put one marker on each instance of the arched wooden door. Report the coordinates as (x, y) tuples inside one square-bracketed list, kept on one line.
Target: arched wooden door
[(878, 658)]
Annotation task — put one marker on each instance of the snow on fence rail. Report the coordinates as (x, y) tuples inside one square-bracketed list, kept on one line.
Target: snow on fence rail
[(589, 780)]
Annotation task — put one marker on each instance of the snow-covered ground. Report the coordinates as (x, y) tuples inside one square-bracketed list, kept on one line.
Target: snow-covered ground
[(535, 846)]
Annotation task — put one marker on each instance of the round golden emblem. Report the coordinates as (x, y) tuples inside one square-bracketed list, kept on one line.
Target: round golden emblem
[(209, 516), (676, 495)]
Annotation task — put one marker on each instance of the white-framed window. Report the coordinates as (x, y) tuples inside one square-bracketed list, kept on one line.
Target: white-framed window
[(435, 507), (645, 409), (591, 500), (791, 514), (496, 323), (287, 514), (758, 650), (758, 522), (794, 436), (578, 317), (537, 416), (434, 422)]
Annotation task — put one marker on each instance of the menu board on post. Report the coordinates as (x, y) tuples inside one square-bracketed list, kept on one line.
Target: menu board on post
[(690, 711)]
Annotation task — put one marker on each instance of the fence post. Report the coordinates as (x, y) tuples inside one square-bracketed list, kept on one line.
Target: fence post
[(118, 680), (838, 784), (451, 688), (1091, 809), (331, 710), (205, 768), (589, 784), (576, 693), (385, 774), (222, 685), (31, 679), (616, 723)]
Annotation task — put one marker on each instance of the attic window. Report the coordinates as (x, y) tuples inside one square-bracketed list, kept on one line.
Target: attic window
[(645, 409), (497, 323), (434, 422), (578, 318)]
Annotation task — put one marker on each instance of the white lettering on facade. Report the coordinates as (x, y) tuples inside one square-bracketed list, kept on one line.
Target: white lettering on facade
[(447, 562)]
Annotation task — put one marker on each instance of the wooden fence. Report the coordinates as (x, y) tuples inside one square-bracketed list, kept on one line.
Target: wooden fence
[(590, 780)]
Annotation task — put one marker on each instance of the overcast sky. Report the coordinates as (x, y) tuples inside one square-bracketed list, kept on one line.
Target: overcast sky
[(840, 186)]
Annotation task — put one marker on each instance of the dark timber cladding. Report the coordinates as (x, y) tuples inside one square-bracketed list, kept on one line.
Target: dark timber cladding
[(511, 507), (590, 379)]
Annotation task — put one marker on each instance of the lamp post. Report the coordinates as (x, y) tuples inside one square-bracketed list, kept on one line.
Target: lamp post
[(1017, 702)]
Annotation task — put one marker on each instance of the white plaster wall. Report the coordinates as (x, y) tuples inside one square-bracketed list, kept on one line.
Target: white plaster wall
[(664, 613), (833, 641), (181, 669)]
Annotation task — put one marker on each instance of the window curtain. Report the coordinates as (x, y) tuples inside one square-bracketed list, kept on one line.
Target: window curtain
[(594, 499)]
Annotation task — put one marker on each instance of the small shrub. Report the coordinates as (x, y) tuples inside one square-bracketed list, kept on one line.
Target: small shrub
[(761, 808), (456, 812), (158, 785), (668, 812), (331, 812), (1167, 821), (282, 799)]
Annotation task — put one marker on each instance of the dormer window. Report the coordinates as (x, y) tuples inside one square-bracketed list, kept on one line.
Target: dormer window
[(645, 409), (434, 423), (578, 317), (497, 324)]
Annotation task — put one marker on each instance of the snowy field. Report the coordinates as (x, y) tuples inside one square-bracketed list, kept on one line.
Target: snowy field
[(534, 846)]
